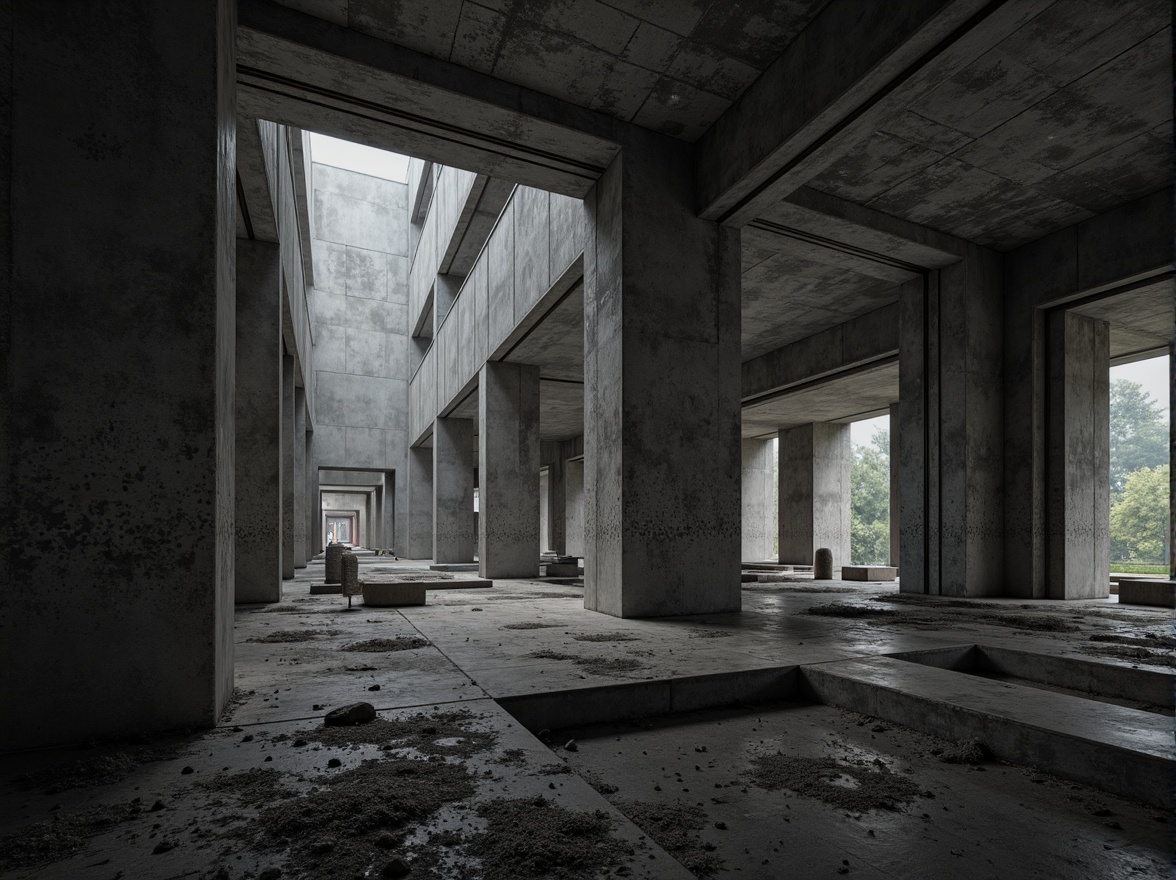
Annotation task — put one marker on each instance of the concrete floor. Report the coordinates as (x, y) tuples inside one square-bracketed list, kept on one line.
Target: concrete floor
[(534, 670)]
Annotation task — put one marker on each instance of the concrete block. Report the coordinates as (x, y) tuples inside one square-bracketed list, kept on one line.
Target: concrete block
[(868, 573), (564, 569), (393, 594), (1161, 593)]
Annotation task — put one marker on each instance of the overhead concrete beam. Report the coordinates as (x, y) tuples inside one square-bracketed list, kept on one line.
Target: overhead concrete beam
[(253, 184), (300, 70), (854, 63), (863, 340)]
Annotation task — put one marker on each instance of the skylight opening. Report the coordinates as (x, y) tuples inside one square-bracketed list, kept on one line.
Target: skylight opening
[(356, 157)]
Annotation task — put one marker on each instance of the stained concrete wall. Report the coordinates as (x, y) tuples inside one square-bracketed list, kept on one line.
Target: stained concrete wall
[(361, 342), (117, 337), (553, 496), (531, 258), (258, 523), (815, 462), (574, 508), (419, 544), (454, 535), (758, 499), (1131, 242), (287, 453), (1078, 486)]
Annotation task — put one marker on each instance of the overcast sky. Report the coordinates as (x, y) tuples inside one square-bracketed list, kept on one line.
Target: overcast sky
[(355, 157)]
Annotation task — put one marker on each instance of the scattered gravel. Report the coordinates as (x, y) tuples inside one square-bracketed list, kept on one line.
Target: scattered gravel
[(836, 610), (380, 646), (853, 787), (597, 665), (606, 637), (292, 635), (442, 733), (63, 835), (531, 624), (674, 827)]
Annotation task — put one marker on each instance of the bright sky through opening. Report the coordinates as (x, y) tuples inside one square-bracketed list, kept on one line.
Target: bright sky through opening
[(356, 157)]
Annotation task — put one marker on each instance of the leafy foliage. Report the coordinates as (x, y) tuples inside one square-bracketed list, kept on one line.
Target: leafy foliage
[(870, 502), (1139, 435), (1139, 519), (1139, 475)]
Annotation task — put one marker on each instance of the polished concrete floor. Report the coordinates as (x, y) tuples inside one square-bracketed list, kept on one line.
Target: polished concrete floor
[(669, 728)]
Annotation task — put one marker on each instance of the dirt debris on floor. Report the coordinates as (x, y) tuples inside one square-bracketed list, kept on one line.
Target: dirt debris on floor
[(387, 646), (849, 611), (532, 624), (453, 733), (90, 772), (63, 835), (675, 828), (606, 637), (853, 787), (293, 635), (597, 665)]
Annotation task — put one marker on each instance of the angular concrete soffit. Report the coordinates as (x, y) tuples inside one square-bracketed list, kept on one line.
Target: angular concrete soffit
[(300, 169), (883, 57), (295, 68)]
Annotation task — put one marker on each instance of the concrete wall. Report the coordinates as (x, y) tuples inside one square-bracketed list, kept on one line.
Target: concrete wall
[(759, 500), (814, 492), (532, 257), (361, 343), (117, 263), (574, 508)]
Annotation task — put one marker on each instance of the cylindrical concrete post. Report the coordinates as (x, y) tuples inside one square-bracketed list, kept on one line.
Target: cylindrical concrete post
[(823, 564), (334, 567), (349, 566)]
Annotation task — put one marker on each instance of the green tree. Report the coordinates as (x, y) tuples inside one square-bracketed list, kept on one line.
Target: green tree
[(1139, 519), (1139, 435), (869, 532)]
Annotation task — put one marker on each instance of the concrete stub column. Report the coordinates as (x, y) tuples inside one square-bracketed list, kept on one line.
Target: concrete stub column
[(419, 544), (258, 532), (453, 490), (814, 475), (287, 467), (300, 478), (661, 395), (758, 500), (895, 486), (1078, 488), (508, 470), (117, 409)]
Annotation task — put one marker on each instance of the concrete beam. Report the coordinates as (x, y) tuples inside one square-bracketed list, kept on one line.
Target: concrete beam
[(851, 66), (301, 70)]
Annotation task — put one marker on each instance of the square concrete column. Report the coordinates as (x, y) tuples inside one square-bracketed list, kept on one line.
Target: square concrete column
[(951, 431), (895, 485), (117, 413), (814, 475), (287, 467), (574, 507), (314, 512), (508, 470), (453, 490), (1172, 457), (759, 500), (557, 535), (1078, 456), (419, 542), (661, 396), (258, 529), (300, 477)]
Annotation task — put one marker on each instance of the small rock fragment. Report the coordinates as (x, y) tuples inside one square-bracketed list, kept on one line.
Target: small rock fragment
[(334, 762), (270, 874), (163, 846), (570, 746), (396, 868), (157, 806), (374, 687), (347, 716), (186, 771)]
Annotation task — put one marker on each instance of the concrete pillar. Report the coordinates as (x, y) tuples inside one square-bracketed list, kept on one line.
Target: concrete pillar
[(508, 468), (557, 506), (895, 485), (661, 396), (419, 542), (287, 467), (544, 517), (1172, 456), (453, 490), (814, 474), (574, 507), (951, 431), (314, 541), (299, 478), (117, 410), (1078, 489), (258, 529), (759, 501)]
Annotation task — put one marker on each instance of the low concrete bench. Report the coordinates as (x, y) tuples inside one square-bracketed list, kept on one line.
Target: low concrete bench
[(564, 570), (868, 573), (1147, 591), (326, 589), (394, 593)]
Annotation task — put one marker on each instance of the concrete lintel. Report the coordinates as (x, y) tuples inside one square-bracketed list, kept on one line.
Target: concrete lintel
[(295, 68), (870, 337), (768, 143), (254, 190)]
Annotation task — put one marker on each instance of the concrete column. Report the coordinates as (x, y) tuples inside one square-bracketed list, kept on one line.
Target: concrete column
[(662, 386), (895, 485), (453, 490), (314, 538), (1078, 488), (951, 432), (814, 474), (508, 469), (287, 467), (544, 518), (299, 478), (1172, 456), (574, 507), (557, 506), (759, 500), (258, 530), (419, 543), (117, 337)]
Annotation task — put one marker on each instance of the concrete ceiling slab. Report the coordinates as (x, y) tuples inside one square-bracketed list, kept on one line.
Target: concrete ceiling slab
[(561, 409), (674, 67), (1067, 117), (839, 398), (1141, 320), (556, 344)]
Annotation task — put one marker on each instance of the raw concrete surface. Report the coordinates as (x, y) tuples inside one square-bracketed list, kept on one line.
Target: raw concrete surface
[(480, 646)]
